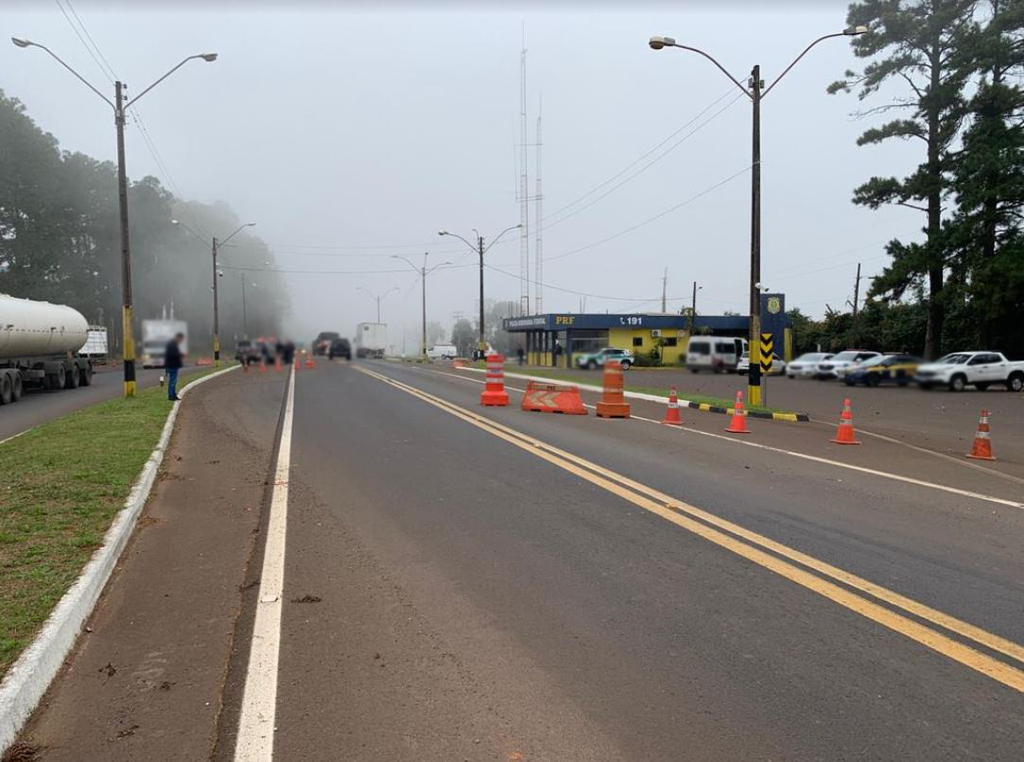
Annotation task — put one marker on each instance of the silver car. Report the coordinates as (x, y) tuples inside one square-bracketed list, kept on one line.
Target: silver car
[(806, 365)]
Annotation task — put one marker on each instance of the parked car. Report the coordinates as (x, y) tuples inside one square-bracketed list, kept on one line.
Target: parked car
[(806, 365), (593, 360), (977, 369), (246, 352), (778, 365), (322, 342), (897, 369), (442, 352), (835, 366), (714, 353), (340, 348)]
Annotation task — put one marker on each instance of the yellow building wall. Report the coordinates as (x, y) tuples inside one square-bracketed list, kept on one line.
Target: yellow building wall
[(622, 338)]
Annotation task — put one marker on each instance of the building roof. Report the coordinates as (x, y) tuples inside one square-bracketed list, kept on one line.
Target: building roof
[(562, 321)]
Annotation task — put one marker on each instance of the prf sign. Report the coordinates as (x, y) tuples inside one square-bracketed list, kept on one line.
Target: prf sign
[(565, 319)]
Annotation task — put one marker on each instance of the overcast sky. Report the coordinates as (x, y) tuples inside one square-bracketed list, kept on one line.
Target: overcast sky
[(353, 134)]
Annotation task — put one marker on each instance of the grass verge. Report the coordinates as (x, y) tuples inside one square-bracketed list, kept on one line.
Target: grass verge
[(561, 375), (63, 483)]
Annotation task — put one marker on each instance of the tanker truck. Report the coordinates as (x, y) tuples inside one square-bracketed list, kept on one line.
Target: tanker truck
[(39, 344)]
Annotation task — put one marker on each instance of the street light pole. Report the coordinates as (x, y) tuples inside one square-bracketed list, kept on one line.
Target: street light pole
[(693, 310), (423, 273), (755, 92), (376, 297), (245, 315), (216, 307), (119, 106), (480, 250)]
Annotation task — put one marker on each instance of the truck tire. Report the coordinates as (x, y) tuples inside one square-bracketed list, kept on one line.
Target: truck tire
[(6, 389), (87, 375), (56, 380), (72, 378), (16, 387), (1015, 382), (957, 382)]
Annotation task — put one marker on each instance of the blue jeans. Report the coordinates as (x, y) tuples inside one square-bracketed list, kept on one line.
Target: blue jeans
[(172, 383)]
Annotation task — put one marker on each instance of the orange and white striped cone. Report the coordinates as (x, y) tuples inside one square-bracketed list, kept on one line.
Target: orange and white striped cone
[(672, 417), (738, 424), (982, 447), (494, 394), (263, 367), (277, 363), (845, 434), (613, 401)]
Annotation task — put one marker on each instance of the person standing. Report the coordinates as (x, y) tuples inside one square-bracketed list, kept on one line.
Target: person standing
[(520, 354), (173, 360)]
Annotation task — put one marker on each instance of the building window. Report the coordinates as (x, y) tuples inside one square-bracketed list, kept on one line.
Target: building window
[(671, 342), (638, 341)]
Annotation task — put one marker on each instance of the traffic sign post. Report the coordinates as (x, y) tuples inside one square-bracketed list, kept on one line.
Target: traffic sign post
[(766, 349)]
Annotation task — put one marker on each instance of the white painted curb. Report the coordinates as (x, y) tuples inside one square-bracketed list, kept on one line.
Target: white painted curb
[(30, 676)]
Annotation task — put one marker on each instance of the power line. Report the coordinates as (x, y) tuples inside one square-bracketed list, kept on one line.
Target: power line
[(86, 30), (81, 39), (649, 220), (646, 166)]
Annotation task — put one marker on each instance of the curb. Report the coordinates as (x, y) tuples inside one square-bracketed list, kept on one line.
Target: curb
[(702, 406), (29, 677)]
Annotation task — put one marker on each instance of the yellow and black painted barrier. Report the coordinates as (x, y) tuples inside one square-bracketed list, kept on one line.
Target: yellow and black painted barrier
[(704, 407)]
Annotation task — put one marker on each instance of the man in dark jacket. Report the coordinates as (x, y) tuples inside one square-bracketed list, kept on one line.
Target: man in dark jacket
[(173, 361)]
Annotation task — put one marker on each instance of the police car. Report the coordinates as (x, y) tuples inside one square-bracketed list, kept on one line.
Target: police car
[(894, 369)]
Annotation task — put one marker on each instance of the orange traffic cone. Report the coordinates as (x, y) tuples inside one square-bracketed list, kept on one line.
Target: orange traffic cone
[(845, 434), (672, 416), (982, 447), (263, 367), (738, 425), (298, 363), (277, 363), (310, 362), (494, 394), (613, 402)]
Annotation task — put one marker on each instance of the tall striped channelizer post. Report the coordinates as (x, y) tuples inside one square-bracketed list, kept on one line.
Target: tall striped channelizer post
[(494, 394)]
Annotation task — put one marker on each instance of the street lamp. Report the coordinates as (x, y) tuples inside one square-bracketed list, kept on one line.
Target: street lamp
[(216, 305), (753, 90), (119, 105), (423, 272), (479, 248), (376, 297)]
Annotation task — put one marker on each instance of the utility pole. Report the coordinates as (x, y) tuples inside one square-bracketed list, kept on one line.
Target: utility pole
[(755, 389), (693, 310), (481, 345), (245, 317), (216, 310), (423, 276), (664, 286), (856, 293), (128, 341)]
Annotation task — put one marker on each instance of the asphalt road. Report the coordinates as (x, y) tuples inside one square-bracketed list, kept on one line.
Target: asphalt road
[(464, 583), (38, 406), (936, 419)]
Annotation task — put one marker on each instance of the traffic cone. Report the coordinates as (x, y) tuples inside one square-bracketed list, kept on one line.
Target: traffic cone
[(672, 416), (298, 363), (845, 434), (263, 367), (494, 394), (310, 362), (277, 363), (738, 425), (613, 402), (982, 447)]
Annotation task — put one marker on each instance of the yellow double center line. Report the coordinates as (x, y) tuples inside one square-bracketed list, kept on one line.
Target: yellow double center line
[(753, 546)]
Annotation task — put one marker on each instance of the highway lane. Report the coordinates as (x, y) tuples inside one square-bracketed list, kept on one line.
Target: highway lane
[(38, 406), (451, 594)]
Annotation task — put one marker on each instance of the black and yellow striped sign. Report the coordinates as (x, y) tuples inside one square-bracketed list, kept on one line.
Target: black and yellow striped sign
[(767, 347)]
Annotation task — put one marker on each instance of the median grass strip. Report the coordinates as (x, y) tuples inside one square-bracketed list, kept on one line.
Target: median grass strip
[(63, 482)]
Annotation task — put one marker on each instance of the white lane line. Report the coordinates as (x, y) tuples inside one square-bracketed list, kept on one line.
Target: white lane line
[(804, 456), (255, 742)]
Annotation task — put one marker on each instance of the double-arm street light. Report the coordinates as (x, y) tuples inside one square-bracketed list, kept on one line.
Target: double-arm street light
[(216, 306), (755, 91), (376, 297), (481, 250), (423, 272), (119, 105)]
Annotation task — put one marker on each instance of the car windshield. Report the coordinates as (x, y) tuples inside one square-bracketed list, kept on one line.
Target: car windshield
[(879, 360), (849, 356), (954, 359), (813, 357)]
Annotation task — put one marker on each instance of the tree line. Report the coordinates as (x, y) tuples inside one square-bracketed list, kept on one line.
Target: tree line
[(944, 77), (60, 242)]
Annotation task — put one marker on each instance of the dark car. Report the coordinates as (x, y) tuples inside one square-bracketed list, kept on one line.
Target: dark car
[(896, 369), (340, 348), (246, 352), (322, 343)]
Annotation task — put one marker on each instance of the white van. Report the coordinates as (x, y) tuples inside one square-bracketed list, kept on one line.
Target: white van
[(442, 352), (715, 353)]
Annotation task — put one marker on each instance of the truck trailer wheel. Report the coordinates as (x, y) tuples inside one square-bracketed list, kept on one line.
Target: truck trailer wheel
[(71, 378), (16, 387), (6, 389), (56, 379), (86, 375)]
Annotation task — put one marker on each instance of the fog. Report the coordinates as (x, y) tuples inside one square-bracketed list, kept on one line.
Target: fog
[(350, 135)]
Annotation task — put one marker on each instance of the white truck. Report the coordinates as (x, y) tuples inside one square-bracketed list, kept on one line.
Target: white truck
[(977, 369), (371, 339), (155, 335), (39, 344), (95, 344)]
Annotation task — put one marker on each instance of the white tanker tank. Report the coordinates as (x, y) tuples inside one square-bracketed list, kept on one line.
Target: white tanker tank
[(39, 344)]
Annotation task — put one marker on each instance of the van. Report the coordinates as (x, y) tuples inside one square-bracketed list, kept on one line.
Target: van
[(715, 353), (442, 352)]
